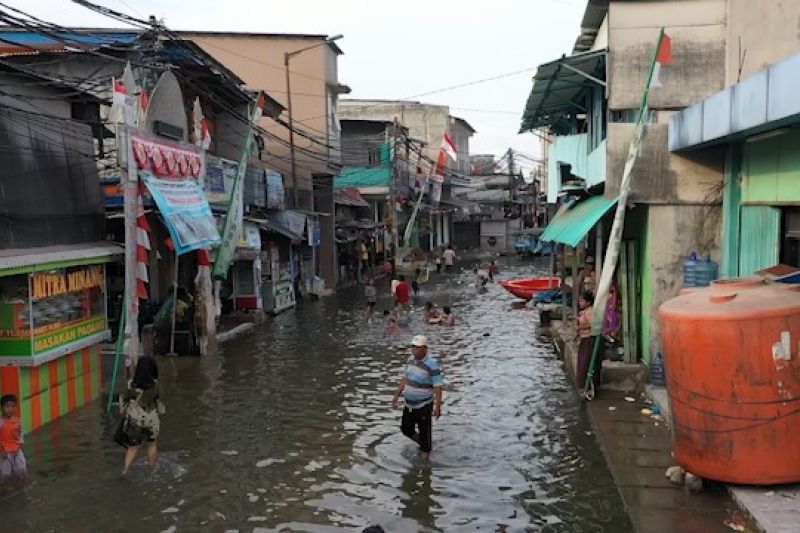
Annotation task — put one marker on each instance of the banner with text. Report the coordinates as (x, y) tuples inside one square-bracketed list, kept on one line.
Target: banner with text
[(186, 212)]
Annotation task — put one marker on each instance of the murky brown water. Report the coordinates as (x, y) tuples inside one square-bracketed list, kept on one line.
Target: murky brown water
[(289, 429)]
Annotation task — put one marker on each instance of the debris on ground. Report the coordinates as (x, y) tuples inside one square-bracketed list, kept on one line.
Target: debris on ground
[(675, 474), (647, 412), (734, 524), (630, 399), (692, 483)]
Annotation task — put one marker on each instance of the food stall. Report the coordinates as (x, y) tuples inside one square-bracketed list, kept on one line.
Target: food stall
[(53, 318)]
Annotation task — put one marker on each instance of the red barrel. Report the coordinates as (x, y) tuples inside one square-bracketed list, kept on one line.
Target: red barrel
[(732, 357)]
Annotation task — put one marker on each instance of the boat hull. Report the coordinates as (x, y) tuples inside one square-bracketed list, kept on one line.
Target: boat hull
[(527, 288)]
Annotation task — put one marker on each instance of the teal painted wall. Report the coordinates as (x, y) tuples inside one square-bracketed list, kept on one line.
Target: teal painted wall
[(731, 205), (574, 150), (772, 170)]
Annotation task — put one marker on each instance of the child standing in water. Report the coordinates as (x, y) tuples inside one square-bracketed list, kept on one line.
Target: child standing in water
[(371, 294), (12, 459)]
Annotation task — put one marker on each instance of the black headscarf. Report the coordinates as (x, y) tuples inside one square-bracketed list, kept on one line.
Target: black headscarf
[(146, 373)]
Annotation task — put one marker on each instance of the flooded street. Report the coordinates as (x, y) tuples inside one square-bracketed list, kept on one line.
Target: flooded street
[(289, 429)]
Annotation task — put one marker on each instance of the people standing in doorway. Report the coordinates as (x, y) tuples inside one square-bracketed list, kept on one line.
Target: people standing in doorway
[(371, 295), (421, 386), (141, 409), (402, 293), (449, 257), (587, 280), (13, 466), (586, 345)]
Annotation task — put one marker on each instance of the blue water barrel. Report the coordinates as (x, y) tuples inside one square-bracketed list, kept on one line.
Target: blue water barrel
[(699, 272), (689, 271)]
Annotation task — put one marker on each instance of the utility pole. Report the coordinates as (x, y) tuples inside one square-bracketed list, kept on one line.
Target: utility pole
[(510, 175), (287, 56)]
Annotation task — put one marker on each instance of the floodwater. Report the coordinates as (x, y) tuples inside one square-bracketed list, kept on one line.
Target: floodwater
[(289, 429)]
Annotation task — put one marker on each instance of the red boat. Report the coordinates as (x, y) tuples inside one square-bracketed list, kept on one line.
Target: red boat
[(527, 288)]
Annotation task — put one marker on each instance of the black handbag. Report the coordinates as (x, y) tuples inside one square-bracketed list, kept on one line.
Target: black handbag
[(129, 433)]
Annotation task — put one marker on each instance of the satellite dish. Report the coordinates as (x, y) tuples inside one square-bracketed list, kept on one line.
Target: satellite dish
[(166, 112)]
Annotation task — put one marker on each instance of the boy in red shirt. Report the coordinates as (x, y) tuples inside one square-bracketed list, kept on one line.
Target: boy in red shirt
[(12, 458), (403, 293)]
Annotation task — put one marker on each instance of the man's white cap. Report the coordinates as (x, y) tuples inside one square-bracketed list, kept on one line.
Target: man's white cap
[(419, 340)]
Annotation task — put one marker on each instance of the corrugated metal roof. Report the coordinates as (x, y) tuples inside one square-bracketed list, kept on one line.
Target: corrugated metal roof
[(29, 257), (572, 223), (556, 90)]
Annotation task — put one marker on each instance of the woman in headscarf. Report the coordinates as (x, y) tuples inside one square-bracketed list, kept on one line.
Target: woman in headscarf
[(141, 406)]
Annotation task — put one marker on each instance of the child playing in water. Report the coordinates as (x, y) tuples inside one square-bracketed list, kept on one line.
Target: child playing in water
[(12, 459), (447, 318), (391, 321), (431, 313)]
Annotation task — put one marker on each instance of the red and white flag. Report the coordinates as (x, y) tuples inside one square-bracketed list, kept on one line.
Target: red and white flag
[(449, 147), (663, 57), (441, 164)]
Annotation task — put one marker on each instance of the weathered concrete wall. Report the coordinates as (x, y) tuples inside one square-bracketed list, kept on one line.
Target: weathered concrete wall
[(673, 233), (659, 176), (766, 36), (258, 60), (698, 31), (425, 122)]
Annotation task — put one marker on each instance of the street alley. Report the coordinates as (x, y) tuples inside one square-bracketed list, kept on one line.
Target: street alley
[(289, 428)]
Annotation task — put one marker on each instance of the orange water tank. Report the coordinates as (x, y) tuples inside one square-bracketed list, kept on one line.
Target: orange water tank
[(732, 358)]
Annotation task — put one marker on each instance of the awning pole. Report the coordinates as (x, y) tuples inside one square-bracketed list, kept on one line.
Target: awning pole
[(174, 306)]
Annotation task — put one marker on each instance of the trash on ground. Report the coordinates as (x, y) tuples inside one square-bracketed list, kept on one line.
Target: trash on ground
[(630, 399), (647, 412), (733, 524), (612, 408), (675, 474)]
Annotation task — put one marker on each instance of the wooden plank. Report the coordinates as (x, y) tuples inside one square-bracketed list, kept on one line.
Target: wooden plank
[(626, 301)]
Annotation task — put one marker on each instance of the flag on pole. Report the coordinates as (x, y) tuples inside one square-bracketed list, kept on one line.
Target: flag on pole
[(663, 57), (441, 165), (449, 147)]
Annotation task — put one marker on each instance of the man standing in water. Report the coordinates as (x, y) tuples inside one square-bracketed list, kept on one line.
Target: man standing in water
[(449, 258), (421, 387)]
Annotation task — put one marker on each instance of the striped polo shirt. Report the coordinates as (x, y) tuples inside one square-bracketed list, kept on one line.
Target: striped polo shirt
[(421, 377)]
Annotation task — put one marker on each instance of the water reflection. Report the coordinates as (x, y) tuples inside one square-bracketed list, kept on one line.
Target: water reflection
[(289, 429)]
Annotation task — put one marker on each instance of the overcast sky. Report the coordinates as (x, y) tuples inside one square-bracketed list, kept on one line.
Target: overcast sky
[(394, 49)]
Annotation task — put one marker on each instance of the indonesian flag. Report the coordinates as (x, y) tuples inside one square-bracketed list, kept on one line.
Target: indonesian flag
[(441, 164), (449, 147), (206, 132), (663, 57)]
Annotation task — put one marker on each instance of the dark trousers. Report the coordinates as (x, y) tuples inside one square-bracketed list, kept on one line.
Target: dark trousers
[(417, 425)]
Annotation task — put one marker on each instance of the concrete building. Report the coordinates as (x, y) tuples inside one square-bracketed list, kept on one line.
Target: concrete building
[(749, 130), (427, 124), (589, 102), (258, 58)]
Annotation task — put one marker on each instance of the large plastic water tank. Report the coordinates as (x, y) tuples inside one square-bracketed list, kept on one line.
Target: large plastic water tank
[(732, 356)]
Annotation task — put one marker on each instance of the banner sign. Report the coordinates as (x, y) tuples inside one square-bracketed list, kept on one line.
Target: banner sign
[(234, 218), (275, 190), (186, 212), (219, 178), (165, 159)]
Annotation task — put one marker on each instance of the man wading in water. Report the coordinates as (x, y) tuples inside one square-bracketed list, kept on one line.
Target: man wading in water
[(421, 387)]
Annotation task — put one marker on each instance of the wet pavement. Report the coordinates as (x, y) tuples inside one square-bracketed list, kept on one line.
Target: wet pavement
[(289, 429)]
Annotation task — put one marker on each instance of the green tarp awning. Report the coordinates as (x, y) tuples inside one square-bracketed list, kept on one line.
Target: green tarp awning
[(573, 222), (363, 177)]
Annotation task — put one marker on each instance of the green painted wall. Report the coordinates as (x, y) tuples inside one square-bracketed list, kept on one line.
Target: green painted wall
[(637, 228), (759, 243), (731, 204), (772, 170)]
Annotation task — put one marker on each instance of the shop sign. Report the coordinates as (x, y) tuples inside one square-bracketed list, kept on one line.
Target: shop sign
[(219, 178), (57, 282), (251, 237), (67, 335)]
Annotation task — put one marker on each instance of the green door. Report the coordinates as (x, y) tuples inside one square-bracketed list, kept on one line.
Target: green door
[(759, 241)]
